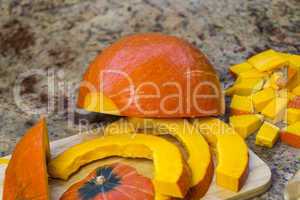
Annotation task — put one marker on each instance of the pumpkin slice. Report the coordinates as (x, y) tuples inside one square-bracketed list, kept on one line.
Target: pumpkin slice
[(240, 68), (291, 135), (241, 105), (245, 125), (199, 159), (268, 60), (26, 174), (111, 182), (174, 183), (138, 73), (267, 135), (232, 152), (262, 98)]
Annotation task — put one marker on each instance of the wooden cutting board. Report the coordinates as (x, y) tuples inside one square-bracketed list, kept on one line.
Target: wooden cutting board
[(258, 180)]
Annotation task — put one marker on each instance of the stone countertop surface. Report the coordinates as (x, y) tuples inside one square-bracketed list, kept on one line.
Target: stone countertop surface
[(45, 46)]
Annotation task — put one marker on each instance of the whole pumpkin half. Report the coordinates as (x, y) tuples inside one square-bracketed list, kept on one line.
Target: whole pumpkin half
[(111, 182), (151, 75), (26, 174)]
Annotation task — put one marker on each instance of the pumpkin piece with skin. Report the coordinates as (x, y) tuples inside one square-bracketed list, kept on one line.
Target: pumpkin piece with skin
[(241, 105), (110, 182), (267, 135), (245, 125), (291, 135), (26, 174), (199, 158), (175, 184), (122, 71), (232, 165), (268, 60)]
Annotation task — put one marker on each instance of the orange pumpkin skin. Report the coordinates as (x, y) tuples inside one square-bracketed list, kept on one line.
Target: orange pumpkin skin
[(155, 59), (26, 174), (123, 182), (290, 139)]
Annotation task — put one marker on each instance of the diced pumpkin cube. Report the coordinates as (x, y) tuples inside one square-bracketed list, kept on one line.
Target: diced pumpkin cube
[(239, 68), (262, 98), (293, 115), (275, 110), (248, 86), (295, 80), (246, 124), (241, 105), (253, 73), (268, 60), (267, 135), (291, 135), (296, 90)]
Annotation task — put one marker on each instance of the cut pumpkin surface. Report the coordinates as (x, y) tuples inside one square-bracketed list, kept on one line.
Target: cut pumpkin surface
[(245, 125), (291, 135), (175, 184), (293, 115), (262, 98), (241, 105), (199, 158), (275, 110), (232, 166), (240, 68), (111, 182), (26, 174), (247, 86)]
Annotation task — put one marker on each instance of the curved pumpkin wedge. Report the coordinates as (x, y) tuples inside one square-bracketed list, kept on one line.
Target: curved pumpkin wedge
[(139, 72), (173, 184), (232, 152), (26, 174), (199, 159), (111, 182)]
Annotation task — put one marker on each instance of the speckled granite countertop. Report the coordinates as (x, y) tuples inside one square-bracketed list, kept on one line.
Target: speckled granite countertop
[(59, 38)]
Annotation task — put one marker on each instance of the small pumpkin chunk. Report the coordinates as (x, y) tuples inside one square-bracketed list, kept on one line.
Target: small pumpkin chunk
[(110, 182), (291, 135), (268, 60), (232, 167), (253, 73), (262, 98), (246, 124), (241, 105), (294, 102), (293, 115), (240, 68), (26, 174), (267, 135), (175, 184), (275, 110), (248, 86), (294, 60)]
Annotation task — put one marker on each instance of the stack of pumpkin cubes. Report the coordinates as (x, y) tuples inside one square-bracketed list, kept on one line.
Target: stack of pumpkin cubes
[(266, 96)]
